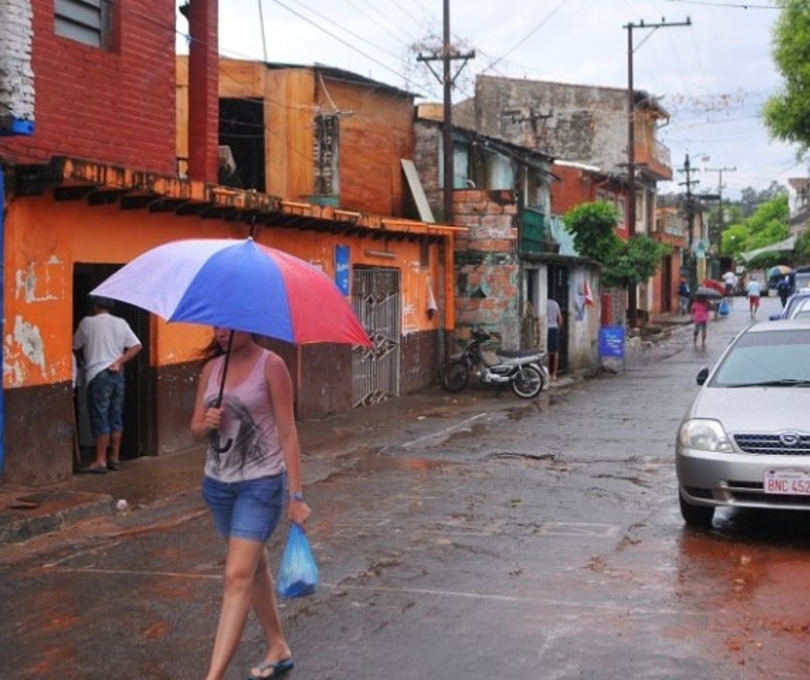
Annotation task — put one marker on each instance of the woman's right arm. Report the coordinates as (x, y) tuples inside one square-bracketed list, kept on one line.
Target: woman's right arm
[(203, 420)]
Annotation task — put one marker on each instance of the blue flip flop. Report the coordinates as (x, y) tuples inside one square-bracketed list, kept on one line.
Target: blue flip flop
[(278, 667)]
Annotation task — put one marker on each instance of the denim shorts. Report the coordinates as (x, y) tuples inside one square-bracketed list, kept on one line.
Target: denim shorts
[(105, 403), (249, 509)]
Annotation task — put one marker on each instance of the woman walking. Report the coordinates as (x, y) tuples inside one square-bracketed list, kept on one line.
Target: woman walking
[(701, 310), (253, 459)]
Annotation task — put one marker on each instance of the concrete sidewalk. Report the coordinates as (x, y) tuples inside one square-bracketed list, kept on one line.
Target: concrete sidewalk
[(28, 512)]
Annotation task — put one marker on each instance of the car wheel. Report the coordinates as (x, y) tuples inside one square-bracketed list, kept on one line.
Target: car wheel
[(699, 516)]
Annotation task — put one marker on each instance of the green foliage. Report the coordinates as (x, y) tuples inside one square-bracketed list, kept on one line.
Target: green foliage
[(787, 113), (768, 224), (624, 263), (802, 249), (634, 262), (751, 199), (733, 239), (593, 226)]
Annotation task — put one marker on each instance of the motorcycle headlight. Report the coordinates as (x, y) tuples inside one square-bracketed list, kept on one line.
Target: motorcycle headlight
[(704, 435)]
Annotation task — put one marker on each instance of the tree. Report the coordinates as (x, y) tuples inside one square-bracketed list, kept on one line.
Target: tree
[(624, 263), (593, 226), (733, 240), (802, 248), (787, 113), (635, 262), (768, 224)]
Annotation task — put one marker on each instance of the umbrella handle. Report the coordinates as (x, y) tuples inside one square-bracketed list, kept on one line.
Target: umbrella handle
[(213, 437), (213, 441)]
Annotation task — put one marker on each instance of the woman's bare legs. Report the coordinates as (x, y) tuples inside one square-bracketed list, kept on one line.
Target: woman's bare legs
[(247, 581), (240, 569), (266, 608)]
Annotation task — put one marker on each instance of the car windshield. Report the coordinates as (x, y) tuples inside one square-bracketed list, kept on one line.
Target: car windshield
[(801, 308), (793, 303), (769, 358)]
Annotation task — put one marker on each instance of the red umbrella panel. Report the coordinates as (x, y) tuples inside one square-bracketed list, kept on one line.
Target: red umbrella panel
[(719, 286)]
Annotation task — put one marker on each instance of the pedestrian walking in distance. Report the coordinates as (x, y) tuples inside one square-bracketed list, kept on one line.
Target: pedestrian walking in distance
[(683, 297), (701, 311), (753, 289)]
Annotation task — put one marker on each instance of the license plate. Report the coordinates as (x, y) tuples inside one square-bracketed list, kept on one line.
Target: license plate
[(787, 482)]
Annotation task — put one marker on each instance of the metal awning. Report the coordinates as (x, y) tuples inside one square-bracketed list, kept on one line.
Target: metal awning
[(786, 245)]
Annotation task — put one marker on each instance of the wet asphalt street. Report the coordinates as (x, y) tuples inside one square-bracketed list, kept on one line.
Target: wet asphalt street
[(504, 539)]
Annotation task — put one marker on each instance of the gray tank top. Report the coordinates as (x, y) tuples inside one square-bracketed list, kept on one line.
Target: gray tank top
[(248, 421)]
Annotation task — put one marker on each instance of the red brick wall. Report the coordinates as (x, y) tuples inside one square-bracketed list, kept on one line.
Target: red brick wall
[(574, 189), (486, 261), (112, 106), (203, 91)]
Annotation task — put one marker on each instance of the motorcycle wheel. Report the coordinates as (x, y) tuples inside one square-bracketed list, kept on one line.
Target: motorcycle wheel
[(528, 382), (456, 376)]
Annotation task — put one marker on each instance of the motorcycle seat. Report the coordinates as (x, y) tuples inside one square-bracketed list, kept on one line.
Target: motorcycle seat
[(518, 353)]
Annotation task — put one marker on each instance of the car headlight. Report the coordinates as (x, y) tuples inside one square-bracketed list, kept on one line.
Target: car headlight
[(705, 435)]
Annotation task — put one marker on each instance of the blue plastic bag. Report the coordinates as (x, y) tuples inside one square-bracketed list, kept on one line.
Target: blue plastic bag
[(723, 309), (298, 573)]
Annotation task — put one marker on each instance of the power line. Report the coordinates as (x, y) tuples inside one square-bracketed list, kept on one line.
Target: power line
[(341, 40)]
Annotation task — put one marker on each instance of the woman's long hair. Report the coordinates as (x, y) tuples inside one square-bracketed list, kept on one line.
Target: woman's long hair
[(211, 351)]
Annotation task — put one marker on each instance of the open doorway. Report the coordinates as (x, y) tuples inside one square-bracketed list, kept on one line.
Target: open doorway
[(135, 440), (558, 289)]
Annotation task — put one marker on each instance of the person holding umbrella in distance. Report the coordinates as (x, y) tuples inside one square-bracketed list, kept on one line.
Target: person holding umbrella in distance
[(701, 311)]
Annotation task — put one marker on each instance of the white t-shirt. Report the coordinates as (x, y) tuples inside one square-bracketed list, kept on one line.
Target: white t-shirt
[(103, 338), (753, 288), (553, 313)]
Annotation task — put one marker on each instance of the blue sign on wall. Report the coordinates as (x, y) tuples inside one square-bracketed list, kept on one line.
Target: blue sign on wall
[(611, 342), (342, 268)]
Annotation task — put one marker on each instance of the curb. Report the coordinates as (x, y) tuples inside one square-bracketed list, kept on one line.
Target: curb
[(40, 512)]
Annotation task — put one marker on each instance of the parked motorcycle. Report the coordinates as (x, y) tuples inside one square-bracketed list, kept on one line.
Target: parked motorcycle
[(523, 370)]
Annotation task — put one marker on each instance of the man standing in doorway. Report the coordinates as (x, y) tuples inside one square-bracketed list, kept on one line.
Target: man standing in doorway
[(106, 343), (554, 321)]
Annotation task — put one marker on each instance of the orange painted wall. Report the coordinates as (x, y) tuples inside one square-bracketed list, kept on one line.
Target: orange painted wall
[(376, 131), (45, 238)]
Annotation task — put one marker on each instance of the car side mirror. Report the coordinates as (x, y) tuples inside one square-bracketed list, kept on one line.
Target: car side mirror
[(703, 373)]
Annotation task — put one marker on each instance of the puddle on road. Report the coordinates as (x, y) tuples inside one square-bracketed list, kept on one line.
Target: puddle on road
[(749, 571), (379, 462)]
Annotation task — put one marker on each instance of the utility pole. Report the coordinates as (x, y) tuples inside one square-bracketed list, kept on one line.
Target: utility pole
[(631, 115), (690, 218), (447, 80), (720, 172), (631, 141)]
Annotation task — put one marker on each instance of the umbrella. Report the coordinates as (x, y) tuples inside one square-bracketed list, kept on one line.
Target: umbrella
[(779, 271), (717, 286), (708, 292), (239, 285)]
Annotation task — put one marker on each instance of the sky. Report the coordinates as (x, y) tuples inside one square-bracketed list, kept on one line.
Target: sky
[(712, 76)]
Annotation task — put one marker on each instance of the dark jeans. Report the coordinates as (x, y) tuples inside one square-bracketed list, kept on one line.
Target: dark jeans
[(105, 403)]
